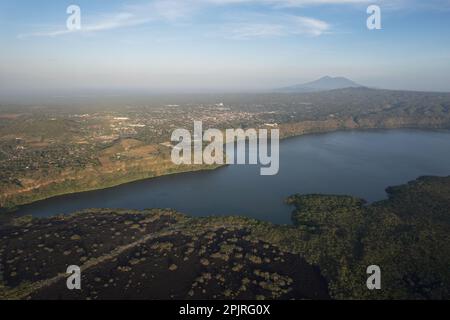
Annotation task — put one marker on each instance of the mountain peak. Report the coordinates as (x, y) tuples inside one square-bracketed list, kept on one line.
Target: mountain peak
[(323, 84)]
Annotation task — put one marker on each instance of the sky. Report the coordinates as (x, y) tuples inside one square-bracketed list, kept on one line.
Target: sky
[(221, 45)]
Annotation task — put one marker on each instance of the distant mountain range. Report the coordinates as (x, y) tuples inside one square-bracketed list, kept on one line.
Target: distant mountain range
[(323, 84)]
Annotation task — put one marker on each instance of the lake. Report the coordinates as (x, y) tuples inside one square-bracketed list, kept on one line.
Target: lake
[(358, 163)]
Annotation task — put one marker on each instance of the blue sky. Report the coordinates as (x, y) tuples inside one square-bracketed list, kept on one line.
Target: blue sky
[(222, 45)]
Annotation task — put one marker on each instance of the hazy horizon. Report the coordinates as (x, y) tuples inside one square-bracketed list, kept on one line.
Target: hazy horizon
[(219, 46)]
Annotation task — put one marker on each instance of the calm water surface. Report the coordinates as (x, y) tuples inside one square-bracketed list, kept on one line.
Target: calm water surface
[(358, 163)]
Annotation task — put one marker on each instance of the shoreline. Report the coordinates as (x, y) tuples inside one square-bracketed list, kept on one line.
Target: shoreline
[(118, 182), (12, 210), (237, 245)]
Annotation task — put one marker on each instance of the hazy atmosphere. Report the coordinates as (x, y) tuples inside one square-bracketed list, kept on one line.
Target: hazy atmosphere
[(221, 45), (228, 150)]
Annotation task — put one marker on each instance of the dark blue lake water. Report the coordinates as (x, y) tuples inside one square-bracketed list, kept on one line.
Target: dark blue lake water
[(358, 163)]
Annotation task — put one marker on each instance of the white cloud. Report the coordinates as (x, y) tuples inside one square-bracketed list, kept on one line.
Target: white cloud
[(171, 11), (282, 26), (244, 31), (289, 3), (311, 26), (387, 4), (113, 21), (132, 15)]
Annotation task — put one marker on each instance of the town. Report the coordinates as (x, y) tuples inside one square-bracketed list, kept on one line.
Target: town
[(214, 152)]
